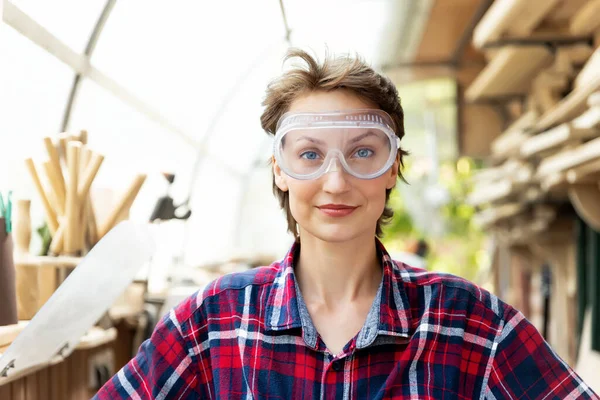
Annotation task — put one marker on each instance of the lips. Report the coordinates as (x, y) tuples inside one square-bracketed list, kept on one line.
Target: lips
[(336, 207), (337, 210)]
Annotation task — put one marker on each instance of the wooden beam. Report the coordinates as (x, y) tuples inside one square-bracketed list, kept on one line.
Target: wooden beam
[(532, 194), (510, 141), (491, 192), (571, 158), (517, 17), (585, 199), (590, 71), (554, 182), (587, 19), (492, 215), (554, 137), (510, 72), (587, 82), (488, 174), (581, 173), (588, 120)]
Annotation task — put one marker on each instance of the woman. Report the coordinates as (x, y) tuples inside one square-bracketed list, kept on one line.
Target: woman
[(337, 318)]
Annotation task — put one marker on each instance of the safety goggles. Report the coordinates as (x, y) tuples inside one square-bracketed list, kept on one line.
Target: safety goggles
[(362, 142)]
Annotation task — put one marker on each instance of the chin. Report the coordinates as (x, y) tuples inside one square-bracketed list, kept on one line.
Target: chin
[(335, 234)]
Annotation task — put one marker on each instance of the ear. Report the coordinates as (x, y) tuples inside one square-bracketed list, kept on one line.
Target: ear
[(393, 177), (280, 177)]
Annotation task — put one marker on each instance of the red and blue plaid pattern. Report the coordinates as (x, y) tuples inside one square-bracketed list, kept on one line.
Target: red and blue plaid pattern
[(427, 336)]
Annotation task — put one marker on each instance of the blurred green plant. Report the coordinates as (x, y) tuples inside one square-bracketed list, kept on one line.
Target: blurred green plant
[(460, 249), (46, 237)]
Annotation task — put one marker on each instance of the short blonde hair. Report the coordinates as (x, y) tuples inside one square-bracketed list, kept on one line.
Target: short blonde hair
[(342, 72)]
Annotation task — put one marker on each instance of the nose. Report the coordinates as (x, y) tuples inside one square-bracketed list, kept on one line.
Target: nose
[(335, 179)]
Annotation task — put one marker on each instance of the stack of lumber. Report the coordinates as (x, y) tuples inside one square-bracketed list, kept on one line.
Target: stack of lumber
[(544, 56)]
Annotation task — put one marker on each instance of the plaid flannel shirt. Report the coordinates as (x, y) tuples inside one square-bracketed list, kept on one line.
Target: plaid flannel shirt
[(427, 336)]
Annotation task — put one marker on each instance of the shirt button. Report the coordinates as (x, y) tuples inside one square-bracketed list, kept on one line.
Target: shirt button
[(336, 365)]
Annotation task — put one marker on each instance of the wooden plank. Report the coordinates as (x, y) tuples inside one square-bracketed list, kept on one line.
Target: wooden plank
[(513, 136), (97, 337), (588, 120), (508, 144), (6, 391), (55, 383), (488, 174), (587, 19), (590, 71), (445, 25), (491, 192), (43, 384), (529, 16), (569, 57), (31, 387), (492, 215), (8, 333), (78, 375), (569, 107), (48, 261), (554, 137), (518, 17), (64, 380), (510, 72), (554, 182), (581, 173), (564, 12), (572, 158), (28, 290), (18, 389), (48, 282)]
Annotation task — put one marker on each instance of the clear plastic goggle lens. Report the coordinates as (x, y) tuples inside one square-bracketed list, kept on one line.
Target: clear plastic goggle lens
[(362, 142), (363, 151)]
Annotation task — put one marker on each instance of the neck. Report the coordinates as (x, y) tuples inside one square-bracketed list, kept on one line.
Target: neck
[(333, 273)]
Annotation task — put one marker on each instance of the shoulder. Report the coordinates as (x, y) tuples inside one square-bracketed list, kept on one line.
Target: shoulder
[(223, 290), (450, 289)]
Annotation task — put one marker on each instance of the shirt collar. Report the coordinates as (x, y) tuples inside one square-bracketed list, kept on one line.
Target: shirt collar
[(389, 315)]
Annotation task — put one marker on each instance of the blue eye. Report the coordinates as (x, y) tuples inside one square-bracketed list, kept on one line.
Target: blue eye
[(309, 155), (364, 153)]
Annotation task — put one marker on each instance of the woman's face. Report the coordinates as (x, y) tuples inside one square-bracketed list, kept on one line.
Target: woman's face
[(336, 207)]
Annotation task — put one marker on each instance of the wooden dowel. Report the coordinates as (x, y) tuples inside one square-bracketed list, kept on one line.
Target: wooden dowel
[(83, 136), (55, 160), (72, 208), (84, 157), (88, 217), (63, 138), (125, 202), (58, 240), (55, 191), (89, 175), (50, 213)]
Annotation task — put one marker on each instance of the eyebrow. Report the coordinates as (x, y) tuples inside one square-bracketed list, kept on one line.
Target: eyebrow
[(361, 137), (309, 139)]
